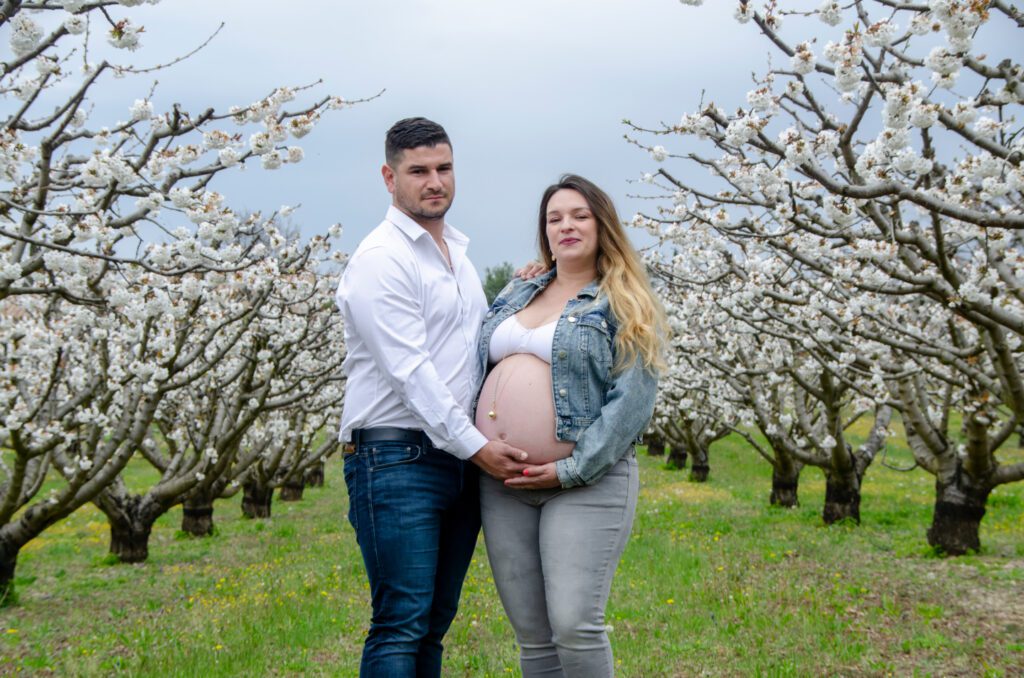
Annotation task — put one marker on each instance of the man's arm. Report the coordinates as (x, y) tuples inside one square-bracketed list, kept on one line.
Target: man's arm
[(380, 299)]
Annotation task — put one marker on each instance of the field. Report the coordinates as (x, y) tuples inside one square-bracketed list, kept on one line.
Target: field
[(713, 582)]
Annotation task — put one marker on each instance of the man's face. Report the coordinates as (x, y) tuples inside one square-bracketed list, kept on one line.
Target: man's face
[(423, 182)]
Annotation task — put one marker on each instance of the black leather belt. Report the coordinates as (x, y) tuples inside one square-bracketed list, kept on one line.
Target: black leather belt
[(389, 434)]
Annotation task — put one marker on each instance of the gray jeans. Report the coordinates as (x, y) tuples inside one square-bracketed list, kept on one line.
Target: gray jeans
[(553, 554)]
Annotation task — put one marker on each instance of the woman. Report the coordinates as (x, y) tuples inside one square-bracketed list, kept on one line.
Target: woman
[(572, 359)]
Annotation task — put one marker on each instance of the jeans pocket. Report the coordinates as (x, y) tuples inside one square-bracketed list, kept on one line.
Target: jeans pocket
[(351, 480), (385, 455)]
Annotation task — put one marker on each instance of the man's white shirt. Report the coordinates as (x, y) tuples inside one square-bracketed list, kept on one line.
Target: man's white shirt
[(411, 329)]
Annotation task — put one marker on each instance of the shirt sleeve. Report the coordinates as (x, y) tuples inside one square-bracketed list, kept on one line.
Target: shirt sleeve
[(624, 416), (381, 299)]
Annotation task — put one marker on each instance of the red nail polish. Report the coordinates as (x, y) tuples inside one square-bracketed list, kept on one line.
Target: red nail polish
[(526, 471)]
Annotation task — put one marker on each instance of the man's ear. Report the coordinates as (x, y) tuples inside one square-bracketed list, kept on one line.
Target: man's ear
[(389, 177)]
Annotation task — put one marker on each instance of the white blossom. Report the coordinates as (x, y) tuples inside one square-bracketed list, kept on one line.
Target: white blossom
[(142, 109), (25, 34), (125, 35), (831, 12)]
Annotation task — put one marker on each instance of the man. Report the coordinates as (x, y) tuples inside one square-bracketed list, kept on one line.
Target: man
[(413, 304)]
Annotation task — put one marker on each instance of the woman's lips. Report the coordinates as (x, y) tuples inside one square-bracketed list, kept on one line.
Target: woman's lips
[(568, 241)]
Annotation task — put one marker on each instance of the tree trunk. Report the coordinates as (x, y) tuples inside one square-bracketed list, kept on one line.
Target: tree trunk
[(8, 561), (676, 456), (842, 498), (315, 475), (197, 516), (256, 498), (959, 508), (845, 477), (129, 540), (131, 518), (655, 444), (785, 483), (292, 491), (700, 468)]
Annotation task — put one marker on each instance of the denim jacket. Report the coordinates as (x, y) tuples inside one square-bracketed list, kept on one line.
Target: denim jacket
[(602, 411)]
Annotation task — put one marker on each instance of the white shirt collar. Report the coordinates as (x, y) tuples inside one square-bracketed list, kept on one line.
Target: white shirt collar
[(414, 231)]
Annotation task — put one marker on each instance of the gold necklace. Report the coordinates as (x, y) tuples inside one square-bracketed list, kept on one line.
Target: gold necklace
[(499, 386), (499, 383)]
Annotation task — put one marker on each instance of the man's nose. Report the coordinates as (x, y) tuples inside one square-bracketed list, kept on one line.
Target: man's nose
[(434, 179)]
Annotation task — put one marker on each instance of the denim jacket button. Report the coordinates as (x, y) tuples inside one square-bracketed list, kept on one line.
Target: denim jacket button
[(562, 354), (562, 392), (572, 318), (490, 314), (604, 323)]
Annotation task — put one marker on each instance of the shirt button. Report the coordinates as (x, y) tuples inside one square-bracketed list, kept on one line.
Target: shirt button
[(572, 318), (562, 392), (562, 354)]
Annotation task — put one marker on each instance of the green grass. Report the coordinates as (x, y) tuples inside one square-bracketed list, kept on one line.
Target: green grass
[(713, 582)]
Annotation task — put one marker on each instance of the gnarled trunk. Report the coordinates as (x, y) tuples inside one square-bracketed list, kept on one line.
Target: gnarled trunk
[(256, 498), (655, 444), (676, 456), (844, 477), (700, 467), (291, 490), (197, 516), (785, 484), (959, 508), (131, 518), (315, 475), (842, 498), (129, 540)]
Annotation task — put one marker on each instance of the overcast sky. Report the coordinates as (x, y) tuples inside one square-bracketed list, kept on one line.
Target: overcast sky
[(527, 90)]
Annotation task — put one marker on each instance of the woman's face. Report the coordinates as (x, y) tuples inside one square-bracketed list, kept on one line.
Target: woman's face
[(571, 229)]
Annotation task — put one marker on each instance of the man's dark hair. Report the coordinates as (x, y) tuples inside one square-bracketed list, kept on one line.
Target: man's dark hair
[(412, 133)]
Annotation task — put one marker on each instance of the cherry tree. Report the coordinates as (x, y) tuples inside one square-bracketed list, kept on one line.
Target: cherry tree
[(679, 422), (868, 196), (284, 365), (124, 277)]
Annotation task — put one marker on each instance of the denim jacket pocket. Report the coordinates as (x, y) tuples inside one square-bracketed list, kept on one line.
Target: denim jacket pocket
[(595, 339), (385, 455)]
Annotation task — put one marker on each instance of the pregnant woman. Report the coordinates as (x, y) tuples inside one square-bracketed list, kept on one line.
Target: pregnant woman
[(571, 358)]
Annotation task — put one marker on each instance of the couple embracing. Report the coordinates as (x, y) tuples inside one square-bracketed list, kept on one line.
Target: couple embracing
[(568, 362)]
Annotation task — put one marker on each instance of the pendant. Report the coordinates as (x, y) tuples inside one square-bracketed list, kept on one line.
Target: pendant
[(492, 414)]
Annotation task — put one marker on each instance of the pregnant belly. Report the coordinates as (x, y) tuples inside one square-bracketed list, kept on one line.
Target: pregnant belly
[(518, 392)]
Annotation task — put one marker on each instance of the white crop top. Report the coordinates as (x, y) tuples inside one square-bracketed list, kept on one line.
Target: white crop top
[(511, 337)]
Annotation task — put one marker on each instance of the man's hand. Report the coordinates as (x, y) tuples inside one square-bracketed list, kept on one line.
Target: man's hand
[(535, 478), (500, 460), (531, 270)]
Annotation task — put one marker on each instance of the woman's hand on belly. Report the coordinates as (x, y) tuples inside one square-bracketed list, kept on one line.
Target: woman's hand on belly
[(539, 477)]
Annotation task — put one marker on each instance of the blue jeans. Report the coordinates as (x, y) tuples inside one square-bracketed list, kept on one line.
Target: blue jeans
[(416, 513)]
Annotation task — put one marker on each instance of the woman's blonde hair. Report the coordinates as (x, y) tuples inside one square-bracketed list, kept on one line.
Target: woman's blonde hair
[(642, 326)]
